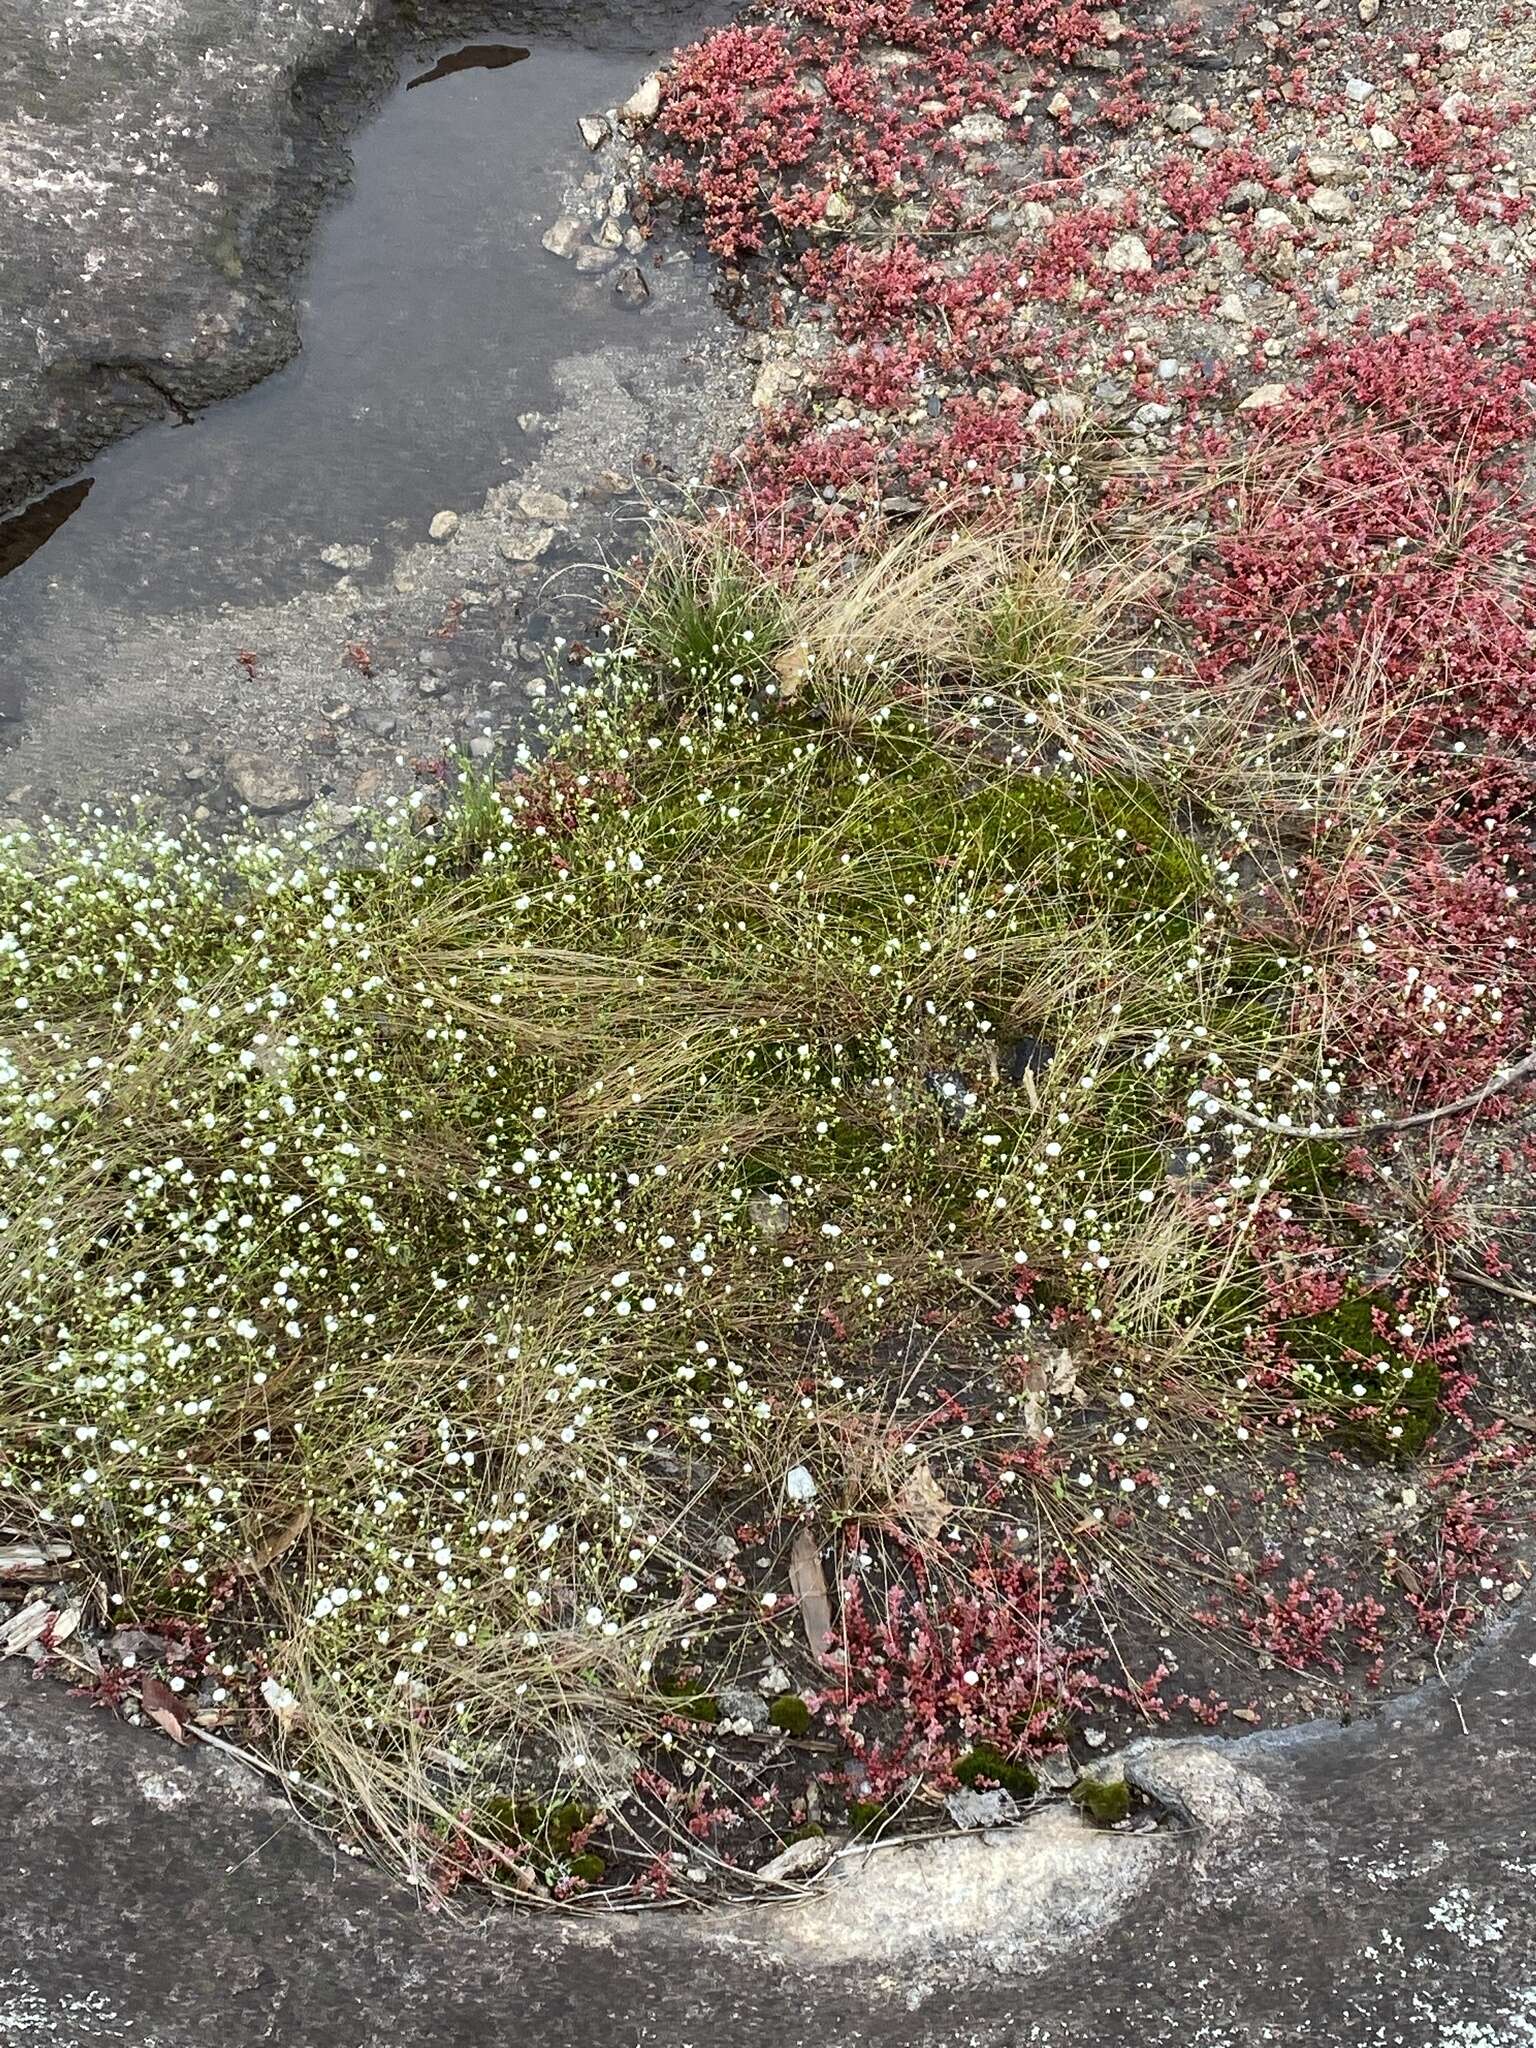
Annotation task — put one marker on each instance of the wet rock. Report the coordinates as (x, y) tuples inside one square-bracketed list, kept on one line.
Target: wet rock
[(644, 104), (568, 234), (347, 557), (266, 783), (630, 287), (525, 544), (148, 263), (444, 525), (594, 130), (592, 259), (547, 506)]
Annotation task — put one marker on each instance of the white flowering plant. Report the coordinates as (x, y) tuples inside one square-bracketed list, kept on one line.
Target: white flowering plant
[(425, 1257)]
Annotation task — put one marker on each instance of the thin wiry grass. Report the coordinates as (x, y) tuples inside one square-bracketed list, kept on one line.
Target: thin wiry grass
[(390, 1243)]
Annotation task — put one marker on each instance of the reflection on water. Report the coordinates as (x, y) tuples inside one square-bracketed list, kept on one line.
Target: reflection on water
[(473, 57), (25, 531)]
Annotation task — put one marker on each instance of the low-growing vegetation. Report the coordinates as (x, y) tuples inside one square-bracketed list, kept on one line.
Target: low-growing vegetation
[(752, 1271)]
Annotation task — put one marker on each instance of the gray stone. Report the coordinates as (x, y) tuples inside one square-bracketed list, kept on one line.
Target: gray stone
[(1263, 396), (444, 525), (1329, 205), (799, 1485), (149, 219), (525, 543), (799, 1861), (546, 506), (568, 234), (630, 287), (347, 556), (969, 1808), (977, 129), (594, 130), (738, 1704), (266, 783), (644, 104), (1127, 254), (591, 259), (1183, 117), (1325, 169)]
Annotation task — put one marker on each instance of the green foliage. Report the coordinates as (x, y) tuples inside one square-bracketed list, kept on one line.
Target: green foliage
[(413, 1188), (1103, 1800), (790, 1713), (1384, 1405), (986, 1765), (868, 1816)]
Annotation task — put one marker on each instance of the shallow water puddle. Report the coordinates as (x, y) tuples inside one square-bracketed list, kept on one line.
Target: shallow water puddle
[(429, 315)]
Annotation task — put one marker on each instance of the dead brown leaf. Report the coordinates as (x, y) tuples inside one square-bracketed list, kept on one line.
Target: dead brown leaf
[(164, 1707), (1405, 1575), (793, 669), (922, 1500), (1047, 1375), (808, 1583), (278, 1544)]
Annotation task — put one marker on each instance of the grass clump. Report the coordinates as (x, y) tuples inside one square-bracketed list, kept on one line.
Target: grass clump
[(399, 1244)]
